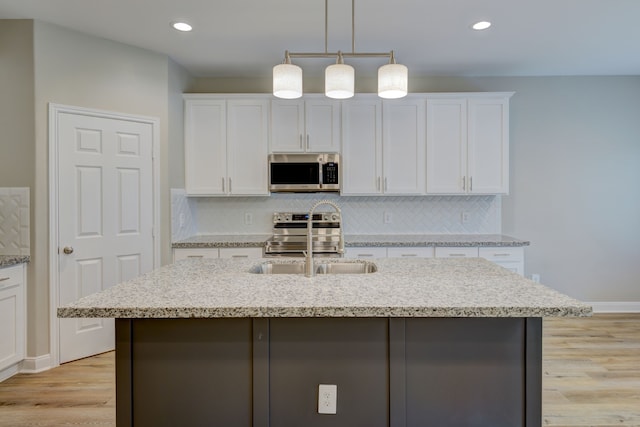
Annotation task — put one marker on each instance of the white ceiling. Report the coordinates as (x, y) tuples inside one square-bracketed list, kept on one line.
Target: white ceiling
[(246, 38)]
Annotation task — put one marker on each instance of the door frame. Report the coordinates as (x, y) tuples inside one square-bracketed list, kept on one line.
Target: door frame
[(54, 239)]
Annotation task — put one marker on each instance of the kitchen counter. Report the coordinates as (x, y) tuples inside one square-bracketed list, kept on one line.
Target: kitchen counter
[(400, 288), (449, 240), (383, 339), (9, 260), (360, 240), (223, 241)]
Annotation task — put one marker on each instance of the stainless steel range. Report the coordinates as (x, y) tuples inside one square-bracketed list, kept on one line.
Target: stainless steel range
[(290, 234)]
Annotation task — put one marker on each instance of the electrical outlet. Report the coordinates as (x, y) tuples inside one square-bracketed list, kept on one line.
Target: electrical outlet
[(464, 217), (248, 218), (387, 218), (535, 277), (327, 398)]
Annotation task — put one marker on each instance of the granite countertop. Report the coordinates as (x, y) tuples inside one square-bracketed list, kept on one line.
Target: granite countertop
[(258, 240), (215, 288), (456, 240), (223, 241), (9, 260)]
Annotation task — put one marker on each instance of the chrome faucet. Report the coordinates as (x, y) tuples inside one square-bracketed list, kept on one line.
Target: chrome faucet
[(309, 270)]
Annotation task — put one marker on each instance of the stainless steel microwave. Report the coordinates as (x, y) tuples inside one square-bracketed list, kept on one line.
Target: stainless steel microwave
[(304, 172)]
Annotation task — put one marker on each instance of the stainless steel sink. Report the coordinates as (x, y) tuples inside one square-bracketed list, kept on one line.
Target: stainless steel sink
[(356, 267), (276, 268), (346, 268)]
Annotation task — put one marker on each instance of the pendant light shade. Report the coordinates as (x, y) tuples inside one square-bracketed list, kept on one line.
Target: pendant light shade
[(287, 80), (392, 80), (339, 80)]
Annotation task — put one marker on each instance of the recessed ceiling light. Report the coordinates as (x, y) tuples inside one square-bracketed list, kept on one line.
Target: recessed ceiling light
[(182, 26), (482, 25)]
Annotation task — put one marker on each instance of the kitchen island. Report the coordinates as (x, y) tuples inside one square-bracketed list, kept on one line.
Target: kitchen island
[(419, 342)]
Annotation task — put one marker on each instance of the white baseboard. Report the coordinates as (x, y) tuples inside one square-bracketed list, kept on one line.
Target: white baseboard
[(9, 372), (615, 307), (33, 365)]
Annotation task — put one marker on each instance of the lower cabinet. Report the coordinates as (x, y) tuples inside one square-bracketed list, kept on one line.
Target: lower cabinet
[(214, 253), (12, 319), (511, 258), (389, 372)]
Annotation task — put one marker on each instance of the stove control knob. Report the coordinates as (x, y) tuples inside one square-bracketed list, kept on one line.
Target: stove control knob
[(278, 218), (334, 217)]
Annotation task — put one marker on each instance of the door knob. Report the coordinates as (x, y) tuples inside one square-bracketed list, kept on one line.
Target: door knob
[(67, 250)]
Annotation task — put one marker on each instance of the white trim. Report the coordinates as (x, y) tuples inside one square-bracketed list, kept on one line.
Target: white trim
[(615, 306), (33, 365), (54, 111), (10, 371)]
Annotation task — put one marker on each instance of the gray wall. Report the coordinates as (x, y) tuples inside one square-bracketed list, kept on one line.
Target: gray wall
[(575, 156), (42, 63)]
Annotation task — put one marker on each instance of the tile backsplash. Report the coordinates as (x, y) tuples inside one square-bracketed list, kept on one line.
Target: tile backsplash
[(14, 221), (360, 215)]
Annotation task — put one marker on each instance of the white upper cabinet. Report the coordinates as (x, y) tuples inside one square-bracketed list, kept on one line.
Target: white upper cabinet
[(247, 147), (488, 145), (226, 146), (308, 125), (383, 149), (361, 167), (205, 146), (403, 142), (468, 144)]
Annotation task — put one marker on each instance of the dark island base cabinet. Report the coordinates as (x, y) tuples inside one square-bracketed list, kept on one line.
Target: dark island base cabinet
[(389, 372)]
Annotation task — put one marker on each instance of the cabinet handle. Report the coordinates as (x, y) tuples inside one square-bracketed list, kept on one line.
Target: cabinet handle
[(464, 183), (307, 142), (378, 184), (223, 184), (195, 256), (365, 255), (457, 255), (239, 256), (300, 141), (386, 184), (409, 255), (470, 183), (4, 278), (230, 185), (501, 254)]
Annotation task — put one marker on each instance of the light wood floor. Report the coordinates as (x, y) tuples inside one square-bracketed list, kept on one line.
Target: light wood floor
[(591, 378)]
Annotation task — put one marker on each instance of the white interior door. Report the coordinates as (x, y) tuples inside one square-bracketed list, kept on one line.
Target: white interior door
[(105, 218)]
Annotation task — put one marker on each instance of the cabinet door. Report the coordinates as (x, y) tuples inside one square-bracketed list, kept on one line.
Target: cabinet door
[(12, 316), (185, 253), (509, 258), (322, 126), (410, 252), (205, 147), (247, 147), (403, 144), (366, 252), (446, 146), (488, 145), (456, 252), (287, 126), (241, 253), (361, 168)]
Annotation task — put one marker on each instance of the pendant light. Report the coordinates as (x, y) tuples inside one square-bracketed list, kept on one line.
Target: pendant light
[(339, 79), (287, 79), (392, 79)]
